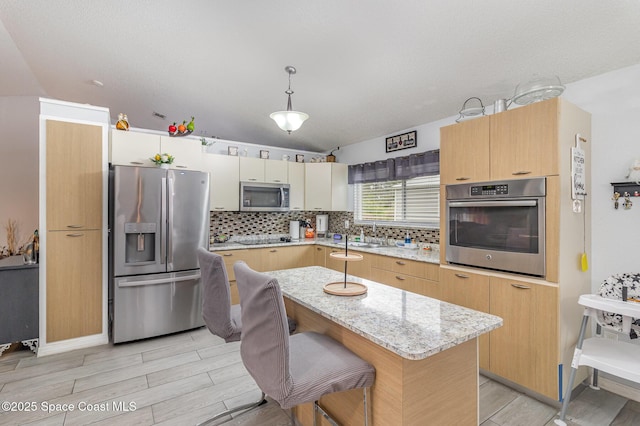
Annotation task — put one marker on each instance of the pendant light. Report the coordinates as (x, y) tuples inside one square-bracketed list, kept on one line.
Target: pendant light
[(289, 120)]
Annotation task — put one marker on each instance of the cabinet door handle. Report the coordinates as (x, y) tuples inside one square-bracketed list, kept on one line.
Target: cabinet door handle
[(219, 208), (399, 262), (277, 180), (296, 208), (463, 276), (182, 167), (399, 278), (521, 172), (317, 208), (319, 248), (463, 178), (137, 163), (74, 226), (273, 251), (228, 254), (520, 286), (75, 235), (252, 179)]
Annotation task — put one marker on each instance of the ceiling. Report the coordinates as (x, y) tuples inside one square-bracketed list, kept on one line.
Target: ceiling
[(365, 69)]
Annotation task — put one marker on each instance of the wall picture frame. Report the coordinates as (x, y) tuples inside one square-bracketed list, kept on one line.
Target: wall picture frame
[(402, 141), (264, 154)]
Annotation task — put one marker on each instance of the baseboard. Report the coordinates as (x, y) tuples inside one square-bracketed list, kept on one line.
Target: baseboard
[(73, 344), (618, 388)]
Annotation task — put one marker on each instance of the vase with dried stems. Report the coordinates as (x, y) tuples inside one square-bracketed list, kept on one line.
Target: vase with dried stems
[(13, 247)]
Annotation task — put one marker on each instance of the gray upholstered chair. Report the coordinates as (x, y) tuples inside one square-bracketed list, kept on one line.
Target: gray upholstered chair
[(221, 318), (293, 369)]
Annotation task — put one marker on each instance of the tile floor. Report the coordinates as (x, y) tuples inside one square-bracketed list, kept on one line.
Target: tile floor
[(188, 377)]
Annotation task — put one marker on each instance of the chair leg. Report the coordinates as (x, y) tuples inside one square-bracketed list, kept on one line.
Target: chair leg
[(574, 369), (327, 417), (367, 406), (249, 406)]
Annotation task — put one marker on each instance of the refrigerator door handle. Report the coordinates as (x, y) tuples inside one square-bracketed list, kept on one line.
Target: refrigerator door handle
[(141, 283), (170, 226), (163, 217)]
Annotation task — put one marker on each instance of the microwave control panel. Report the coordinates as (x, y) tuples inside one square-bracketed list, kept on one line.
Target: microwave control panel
[(501, 189)]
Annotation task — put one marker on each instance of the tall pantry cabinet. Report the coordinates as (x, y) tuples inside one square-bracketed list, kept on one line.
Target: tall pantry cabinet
[(534, 347), (73, 226)]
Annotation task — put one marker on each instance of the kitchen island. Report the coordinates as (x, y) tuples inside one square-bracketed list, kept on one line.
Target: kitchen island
[(424, 350)]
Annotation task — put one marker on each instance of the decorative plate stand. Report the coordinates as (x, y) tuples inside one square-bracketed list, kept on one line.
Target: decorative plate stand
[(345, 288)]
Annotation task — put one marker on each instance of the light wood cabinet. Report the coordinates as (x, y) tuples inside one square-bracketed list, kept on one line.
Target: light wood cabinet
[(187, 152), (74, 284), (525, 349), (133, 148), (230, 257), (418, 277), (275, 258), (471, 291), (74, 176), (325, 187), (524, 141), (464, 151), (296, 180), (224, 182), (319, 255), (360, 268), (73, 270), (519, 143)]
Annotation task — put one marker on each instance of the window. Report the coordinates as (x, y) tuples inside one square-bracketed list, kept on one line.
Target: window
[(413, 202)]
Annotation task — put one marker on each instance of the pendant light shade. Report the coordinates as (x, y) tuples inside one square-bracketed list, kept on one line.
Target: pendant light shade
[(289, 120)]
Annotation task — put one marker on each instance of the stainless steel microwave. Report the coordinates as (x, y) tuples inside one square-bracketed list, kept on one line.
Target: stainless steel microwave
[(497, 225), (264, 197)]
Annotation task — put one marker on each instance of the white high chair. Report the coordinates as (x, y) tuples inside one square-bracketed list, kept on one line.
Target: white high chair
[(611, 356)]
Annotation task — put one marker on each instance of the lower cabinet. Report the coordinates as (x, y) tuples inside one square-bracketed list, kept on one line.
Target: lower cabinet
[(525, 350), (74, 284), (471, 291), (360, 268), (230, 258), (276, 258), (410, 275), (319, 254)]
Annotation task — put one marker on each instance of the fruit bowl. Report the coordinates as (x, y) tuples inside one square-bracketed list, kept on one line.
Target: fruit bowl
[(177, 133)]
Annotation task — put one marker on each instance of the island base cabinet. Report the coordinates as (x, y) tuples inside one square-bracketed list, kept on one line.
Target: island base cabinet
[(405, 392), (525, 349), (74, 284)]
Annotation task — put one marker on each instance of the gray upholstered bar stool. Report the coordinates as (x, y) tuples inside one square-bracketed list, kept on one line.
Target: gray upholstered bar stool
[(293, 369), (221, 318)]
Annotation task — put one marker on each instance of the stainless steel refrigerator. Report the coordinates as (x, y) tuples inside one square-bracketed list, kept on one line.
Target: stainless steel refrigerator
[(158, 219)]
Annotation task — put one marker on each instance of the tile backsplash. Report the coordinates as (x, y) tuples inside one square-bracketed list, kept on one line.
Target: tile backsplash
[(239, 224)]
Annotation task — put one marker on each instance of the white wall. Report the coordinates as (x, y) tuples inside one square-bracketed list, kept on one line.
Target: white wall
[(19, 165), (613, 99)]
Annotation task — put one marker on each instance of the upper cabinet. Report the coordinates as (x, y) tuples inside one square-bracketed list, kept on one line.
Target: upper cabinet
[(224, 182), (187, 152), (464, 151), (519, 143), (261, 170), (325, 187), (136, 149), (133, 148), (296, 185)]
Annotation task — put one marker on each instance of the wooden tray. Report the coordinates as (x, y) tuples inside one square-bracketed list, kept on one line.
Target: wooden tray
[(351, 257), (352, 289)]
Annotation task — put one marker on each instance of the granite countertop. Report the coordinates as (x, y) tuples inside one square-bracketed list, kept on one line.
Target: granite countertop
[(429, 256), (408, 324), (14, 262)]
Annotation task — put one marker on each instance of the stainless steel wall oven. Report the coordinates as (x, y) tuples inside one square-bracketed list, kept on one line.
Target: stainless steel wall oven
[(497, 225)]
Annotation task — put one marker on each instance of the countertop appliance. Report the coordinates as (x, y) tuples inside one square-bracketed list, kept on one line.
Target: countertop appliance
[(497, 225), (157, 220), (264, 197), (322, 225)]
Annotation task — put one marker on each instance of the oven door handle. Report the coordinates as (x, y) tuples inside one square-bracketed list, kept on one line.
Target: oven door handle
[(506, 203)]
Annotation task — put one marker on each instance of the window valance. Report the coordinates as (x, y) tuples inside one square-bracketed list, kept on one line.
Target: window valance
[(400, 168)]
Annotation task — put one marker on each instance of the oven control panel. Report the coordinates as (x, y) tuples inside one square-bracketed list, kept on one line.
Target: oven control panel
[(500, 189)]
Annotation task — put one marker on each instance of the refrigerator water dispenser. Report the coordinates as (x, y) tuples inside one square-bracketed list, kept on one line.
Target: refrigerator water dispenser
[(140, 242)]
